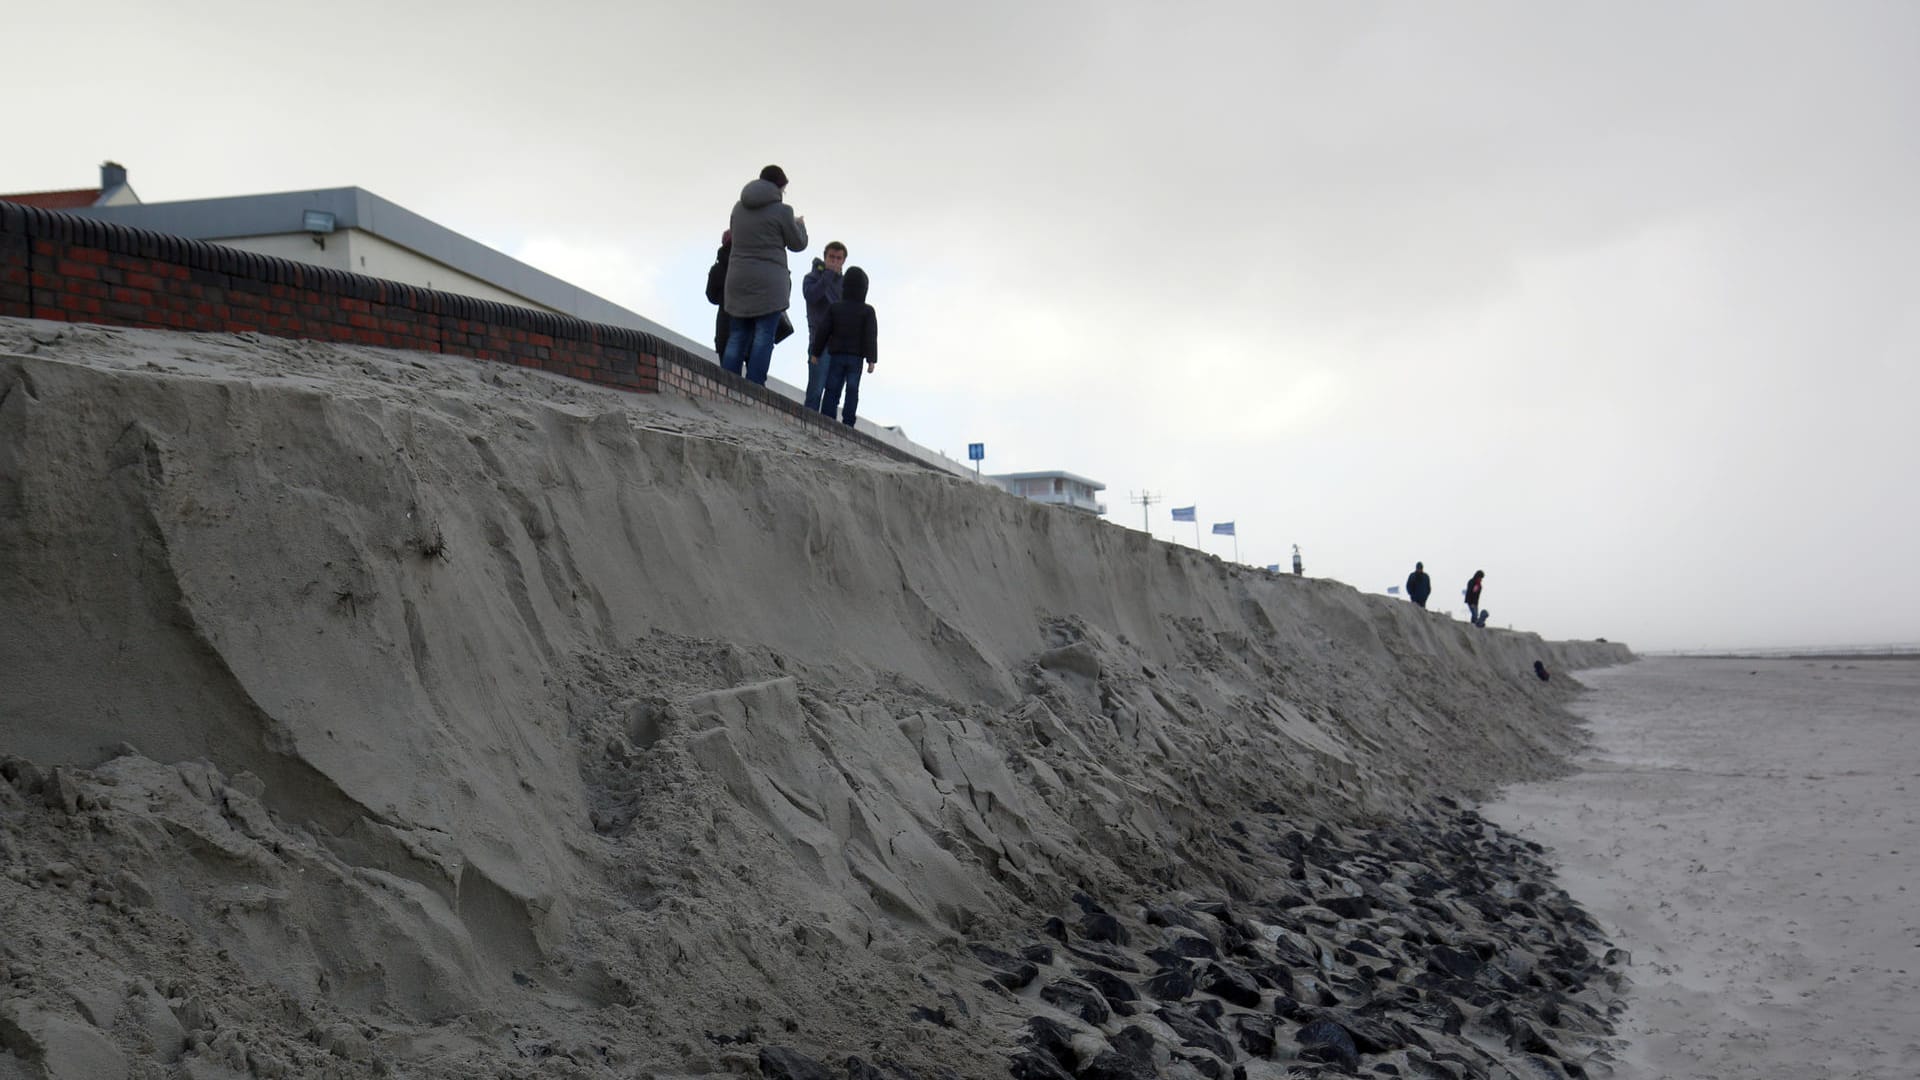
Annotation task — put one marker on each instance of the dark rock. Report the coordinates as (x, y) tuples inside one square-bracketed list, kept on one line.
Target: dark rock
[(1230, 982), (1192, 946), (1078, 998), (1324, 1040), (1100, 926), (1129, 1057), (1457, 963), (1255, 1032), (1373, 1034), (937, 1017), (1008, 970), (1039, 954), (1206, 1065), (1104, 955), (746, 1035), (1194, 1031), (1289, 952), (781, 1063), (1028, 1065), (1112, 987), (1166, 957), (1055, 927), (1171, 984), (1135, 1043), (1526, 1039), (1087, 905), (1049, 1037), (1209, 1011), (1168, 915), (1348, 907), (1108, 1065), (1219, 909)]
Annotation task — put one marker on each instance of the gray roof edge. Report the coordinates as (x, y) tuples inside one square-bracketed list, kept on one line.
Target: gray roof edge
[(356, 208), (235, 216), (1048, 474)]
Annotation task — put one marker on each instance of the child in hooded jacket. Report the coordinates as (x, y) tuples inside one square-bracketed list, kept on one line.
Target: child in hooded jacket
[(847, 335)]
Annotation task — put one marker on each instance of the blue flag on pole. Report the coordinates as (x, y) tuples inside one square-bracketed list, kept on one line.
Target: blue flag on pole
[(1223, 528), (1184, 513), (1393, 590), (1273, 568)]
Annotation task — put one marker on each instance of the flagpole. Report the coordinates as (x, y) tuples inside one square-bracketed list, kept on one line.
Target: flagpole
[(1196, 529), (1236, 545)]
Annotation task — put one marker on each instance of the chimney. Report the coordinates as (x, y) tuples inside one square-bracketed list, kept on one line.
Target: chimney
[(112, 175)]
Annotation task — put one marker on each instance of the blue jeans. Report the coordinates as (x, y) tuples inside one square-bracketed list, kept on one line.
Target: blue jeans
[(842, 372), (750, 341), (816, 380)]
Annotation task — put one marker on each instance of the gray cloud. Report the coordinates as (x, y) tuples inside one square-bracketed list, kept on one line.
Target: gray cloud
[(1615, 302)]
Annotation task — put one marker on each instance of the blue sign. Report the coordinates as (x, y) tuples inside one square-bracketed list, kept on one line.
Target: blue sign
[(976, 451)]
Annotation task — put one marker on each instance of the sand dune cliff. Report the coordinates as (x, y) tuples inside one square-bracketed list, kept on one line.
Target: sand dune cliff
[(377, 713)]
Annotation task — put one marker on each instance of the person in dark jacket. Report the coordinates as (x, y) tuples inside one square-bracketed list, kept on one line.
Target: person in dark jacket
[(848, 334), (759, 286), (821, 287), (717, 292), (1473, 596), (1419, 585)]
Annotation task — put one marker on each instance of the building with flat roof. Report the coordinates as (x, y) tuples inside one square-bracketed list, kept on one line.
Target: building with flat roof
[(353, 230), (1055, 488)]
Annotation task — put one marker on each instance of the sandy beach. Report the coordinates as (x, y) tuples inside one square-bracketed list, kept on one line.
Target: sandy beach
[(1746, 829), (365, 711)]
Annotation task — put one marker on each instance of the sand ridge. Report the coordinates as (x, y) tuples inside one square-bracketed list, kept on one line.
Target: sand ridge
[(446, 716)]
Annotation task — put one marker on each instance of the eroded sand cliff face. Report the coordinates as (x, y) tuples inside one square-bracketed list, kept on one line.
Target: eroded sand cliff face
[(376, 711)]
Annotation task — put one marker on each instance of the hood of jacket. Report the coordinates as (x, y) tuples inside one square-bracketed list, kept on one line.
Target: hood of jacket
[(759, 193), (855, 289)]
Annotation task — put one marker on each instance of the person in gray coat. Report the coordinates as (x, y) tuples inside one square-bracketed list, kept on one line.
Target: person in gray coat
[(759, 286)]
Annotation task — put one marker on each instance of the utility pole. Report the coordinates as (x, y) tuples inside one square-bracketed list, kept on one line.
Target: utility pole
[(1145, 500)]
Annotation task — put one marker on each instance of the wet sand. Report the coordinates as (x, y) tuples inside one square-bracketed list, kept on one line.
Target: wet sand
[(1747, 829)]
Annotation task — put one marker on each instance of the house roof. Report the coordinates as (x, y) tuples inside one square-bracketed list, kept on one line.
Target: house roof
[(1051, 474), (217, 219), (55, 200)]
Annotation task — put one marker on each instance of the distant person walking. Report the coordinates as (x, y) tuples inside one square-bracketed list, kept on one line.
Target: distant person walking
[(759, 286), (1419, 585), (717, 292), (849, 333), (1473, 596), (821, 287)]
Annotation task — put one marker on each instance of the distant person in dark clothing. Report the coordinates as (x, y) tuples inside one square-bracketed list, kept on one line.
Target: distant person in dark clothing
[(1473, 596), (1540, 669), (821, 287), (717, 292), (1419, 585), (849, 334), (759, 286)]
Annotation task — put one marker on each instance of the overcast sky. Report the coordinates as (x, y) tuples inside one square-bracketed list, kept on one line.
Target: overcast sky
[(1619, 302)]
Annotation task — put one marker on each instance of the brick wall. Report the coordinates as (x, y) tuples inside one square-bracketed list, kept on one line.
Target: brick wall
[(75, 269)]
